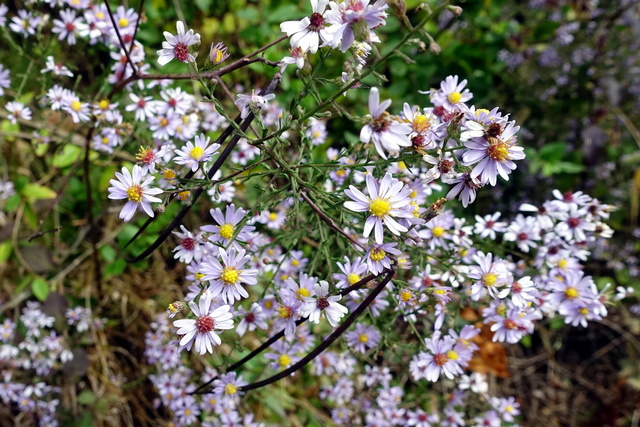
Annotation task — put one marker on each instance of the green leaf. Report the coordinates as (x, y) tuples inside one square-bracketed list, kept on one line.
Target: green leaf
[(86, 397), (203, 5), (5, 251), (35, 192), (553, 152), (40, 288), (67, 156)]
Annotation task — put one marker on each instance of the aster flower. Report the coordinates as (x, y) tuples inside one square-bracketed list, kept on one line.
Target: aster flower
[(252, 103), (465, 188), (441, 358), (282, 355), (386, 133), (378, 259), (201, 330), (488, 225), (493, 154), (58, 69), (144, 107), (251, 319), (193, 154), (386, 201), (320, 303), (67, 26), (362, 337), (352, 272), (452, 95), (138, 193), (227, 223), (191, 246), (355, 18), (228, 385), (228, 280), (17, 110), (5, 81), (306, 34), (178, 46)]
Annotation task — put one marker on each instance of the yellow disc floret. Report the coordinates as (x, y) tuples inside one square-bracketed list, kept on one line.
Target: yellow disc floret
[(353, 278), (303, 292), (377, 254), (226, 231), (123, 22), (452, 355), (489, 279), (134, 193), (76, 105), (230, 275), (379, 207), (571, 293), (437, 231), (284, 360), (454, 97), (363, 338), (230, 389), (196, 153)]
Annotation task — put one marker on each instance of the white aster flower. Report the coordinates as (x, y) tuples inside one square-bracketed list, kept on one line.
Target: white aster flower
[(386, 133), (178, 46), (193, 154), (315, 306), (138, 193)]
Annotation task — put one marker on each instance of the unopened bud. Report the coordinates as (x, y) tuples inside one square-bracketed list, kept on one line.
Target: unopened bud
[(456, 10), (434, 48)]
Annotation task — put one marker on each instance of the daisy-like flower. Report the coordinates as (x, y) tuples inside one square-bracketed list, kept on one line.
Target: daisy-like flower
[(306, 34), (452, 95), (201, 330), (253, 102), (362, 338), (227, 223), (465, 188), (78, 110), (493, 154), (144, 107), (178, 46), (228, 385), (488, 275), (228, 279), (441, 358), (355, 18), (17, 110), (378, 257), (489, 225), (297, 57), (56, 68), (68, 26), (190, 248), (138, 193), (193, 154), (386, 133), (251, 319), (314, 306), (351, 274), (386, 200)]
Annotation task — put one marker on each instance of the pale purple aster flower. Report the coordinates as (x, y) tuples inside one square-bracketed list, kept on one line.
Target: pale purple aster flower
[(511, 327), (56, 68), (144, 107), (344, 18), (228, 280), (178, 46), (252, 103), (452, 95), (578, 197), (508, 407), (251, 319), (25, 23), (489, 225), (286, 313), (201, 330), (57, 95), (493, 155), (377, 259), (228, 385), (68, 26), (5, 81), (320, 303), (523, 292), (3, 15), (306, 34), (191, 246), (227, 223), (386, 200), (78, 110), (282, 355), (352, 272), (579, 312), (297, 57), (196, 153), (17, 110), (441, 358), (488, 275), (575, 224), (362, 337), (138, 193), (386, 133), (302, 287), (524, 231), (465, 188)]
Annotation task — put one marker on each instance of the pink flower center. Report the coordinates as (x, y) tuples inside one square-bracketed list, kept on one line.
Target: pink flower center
[(142, 103), (523, 236), (181, 52), (573, 222), (440, 359), (189, 243), (70, 27), (250, 317), (510, 324), (322, 303), (205, 324), (317, 22)]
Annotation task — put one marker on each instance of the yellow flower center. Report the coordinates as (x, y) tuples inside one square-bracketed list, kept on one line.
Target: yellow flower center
[(104, 104), (353, 278), (164, 122), (562, 263), (134, 193), (199, 276), (440, 291), (226, 231), (481, 110), (437, 231), (284, 312), (196, 153), (169, 174), (571, 293), (498, 150), (303, 292), (501, 310), (454, 97), (406, 295), (584, 311), (229, 275), (377, 254), (230, 389), (363, 338), (452, 355), (76, 105), (379, 207), (273, 216), (185, 120), (489, 279), (123, 22), (184, 195), (421, 123), (219, 56), (105, 140), (341, 172), (284, 360), (413, 194), (508, 409), (295, 262), (99, 15)]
